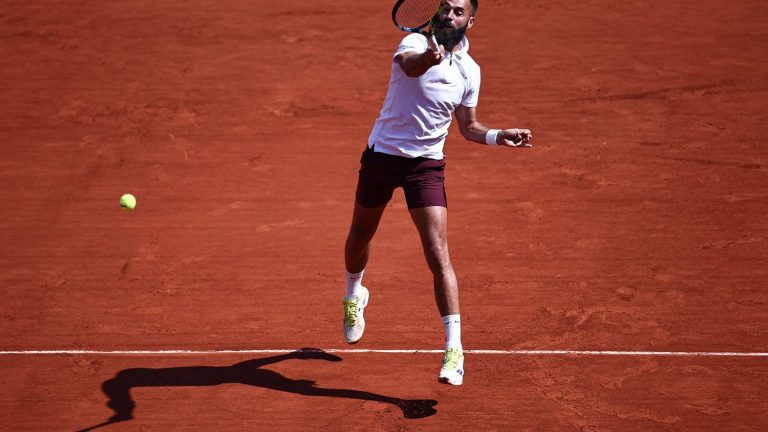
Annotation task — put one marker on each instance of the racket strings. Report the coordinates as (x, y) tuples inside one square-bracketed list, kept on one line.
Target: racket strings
[(416, 13)]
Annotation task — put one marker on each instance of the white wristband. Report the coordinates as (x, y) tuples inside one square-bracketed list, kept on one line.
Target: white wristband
[(491, 135)]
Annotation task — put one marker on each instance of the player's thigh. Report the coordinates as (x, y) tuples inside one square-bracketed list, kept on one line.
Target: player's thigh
[(432, 224)]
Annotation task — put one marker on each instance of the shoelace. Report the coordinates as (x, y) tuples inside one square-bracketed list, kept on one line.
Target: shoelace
[(350, 311), (451, 360)]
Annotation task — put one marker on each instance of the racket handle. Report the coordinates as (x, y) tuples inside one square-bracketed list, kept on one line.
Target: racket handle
[(433, 43)]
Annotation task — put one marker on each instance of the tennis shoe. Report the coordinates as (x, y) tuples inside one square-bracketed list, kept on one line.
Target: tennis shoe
[(354, 323), (452, 371)]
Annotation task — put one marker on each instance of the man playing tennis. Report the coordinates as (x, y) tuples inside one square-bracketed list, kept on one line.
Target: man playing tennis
[(405, 149)]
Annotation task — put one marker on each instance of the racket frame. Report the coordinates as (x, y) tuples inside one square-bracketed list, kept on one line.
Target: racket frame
[(429, 34)]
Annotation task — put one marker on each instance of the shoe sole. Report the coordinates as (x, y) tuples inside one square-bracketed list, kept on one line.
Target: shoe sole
[(446, 380)]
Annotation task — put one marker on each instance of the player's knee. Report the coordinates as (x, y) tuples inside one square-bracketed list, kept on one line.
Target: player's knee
[(438, 259), (442, 270), (358, 239), (356, 243)]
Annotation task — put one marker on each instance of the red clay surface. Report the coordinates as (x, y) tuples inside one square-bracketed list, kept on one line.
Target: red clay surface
[(637, 222)]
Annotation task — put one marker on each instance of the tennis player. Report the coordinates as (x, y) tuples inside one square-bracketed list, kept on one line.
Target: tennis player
[(405, 149)]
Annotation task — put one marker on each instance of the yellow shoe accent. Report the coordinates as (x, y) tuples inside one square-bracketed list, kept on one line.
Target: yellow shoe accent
[(350, 311)]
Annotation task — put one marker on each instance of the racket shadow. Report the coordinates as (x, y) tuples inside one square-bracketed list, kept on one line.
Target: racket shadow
[(250, 372)]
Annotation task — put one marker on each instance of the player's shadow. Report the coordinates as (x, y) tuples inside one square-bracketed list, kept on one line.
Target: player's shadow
[(250, 372)]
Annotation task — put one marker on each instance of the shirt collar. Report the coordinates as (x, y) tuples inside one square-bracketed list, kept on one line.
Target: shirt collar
[(463, 47)]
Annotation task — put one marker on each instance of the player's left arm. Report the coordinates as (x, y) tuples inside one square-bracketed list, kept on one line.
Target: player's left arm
[(474, 131)]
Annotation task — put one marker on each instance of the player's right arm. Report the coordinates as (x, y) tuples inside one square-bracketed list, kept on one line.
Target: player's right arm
[(415, 64)]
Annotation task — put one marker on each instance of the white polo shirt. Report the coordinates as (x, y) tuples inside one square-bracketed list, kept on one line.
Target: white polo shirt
[(417, 111)]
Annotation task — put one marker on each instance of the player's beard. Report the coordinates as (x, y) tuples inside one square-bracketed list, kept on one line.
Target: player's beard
[(449, 37)]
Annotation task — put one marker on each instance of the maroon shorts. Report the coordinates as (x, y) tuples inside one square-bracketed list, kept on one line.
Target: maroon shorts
[(422, 180)]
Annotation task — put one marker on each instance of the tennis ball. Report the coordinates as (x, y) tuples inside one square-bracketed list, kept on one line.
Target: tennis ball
[(128, 202)]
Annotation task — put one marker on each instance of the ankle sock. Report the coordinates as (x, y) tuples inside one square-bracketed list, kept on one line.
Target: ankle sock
[(354, 281), (452, 325)]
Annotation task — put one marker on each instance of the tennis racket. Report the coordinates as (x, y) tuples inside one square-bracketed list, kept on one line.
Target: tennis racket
[(418, 16)]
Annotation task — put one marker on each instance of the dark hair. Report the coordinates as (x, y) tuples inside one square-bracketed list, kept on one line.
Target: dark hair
[(474, 7)]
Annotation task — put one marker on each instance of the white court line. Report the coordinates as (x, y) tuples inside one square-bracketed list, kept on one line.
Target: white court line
[(394, 351)]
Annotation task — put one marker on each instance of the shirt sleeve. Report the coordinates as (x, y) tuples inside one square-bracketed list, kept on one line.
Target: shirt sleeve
[(473, 92), (413, 42)]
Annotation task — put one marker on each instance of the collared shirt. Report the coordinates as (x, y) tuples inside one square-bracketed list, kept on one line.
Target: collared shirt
[(417, 111)]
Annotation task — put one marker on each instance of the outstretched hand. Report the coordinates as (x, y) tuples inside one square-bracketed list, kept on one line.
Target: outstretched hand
[(515, 138), (434, 55)]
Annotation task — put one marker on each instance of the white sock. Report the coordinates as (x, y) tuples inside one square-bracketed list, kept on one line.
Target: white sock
[(452, 325), (354, 283)]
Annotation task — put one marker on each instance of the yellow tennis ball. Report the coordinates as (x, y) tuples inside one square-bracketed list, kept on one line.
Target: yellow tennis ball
[(128, 202)]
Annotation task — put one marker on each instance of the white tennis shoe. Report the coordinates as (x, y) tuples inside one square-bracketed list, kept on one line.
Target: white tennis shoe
[(452, 371), (354, 323)]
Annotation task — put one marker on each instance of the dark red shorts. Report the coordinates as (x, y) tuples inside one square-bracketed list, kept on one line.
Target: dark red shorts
[(422, 180)]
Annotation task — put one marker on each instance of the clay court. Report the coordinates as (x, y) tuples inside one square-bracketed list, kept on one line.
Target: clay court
[(613, 278)]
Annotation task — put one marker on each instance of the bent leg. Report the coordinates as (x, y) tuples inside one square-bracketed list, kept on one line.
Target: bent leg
[(432, 224), (365, 221)]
